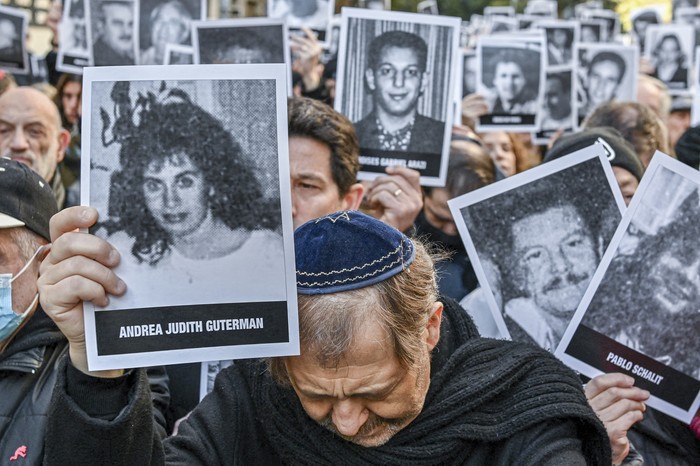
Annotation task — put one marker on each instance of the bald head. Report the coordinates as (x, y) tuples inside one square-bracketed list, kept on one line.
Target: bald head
[(30, 130)]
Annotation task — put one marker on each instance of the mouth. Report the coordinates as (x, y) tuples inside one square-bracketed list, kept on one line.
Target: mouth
[(174, 218), (398, 97)]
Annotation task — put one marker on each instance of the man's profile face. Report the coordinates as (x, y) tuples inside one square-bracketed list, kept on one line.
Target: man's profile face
[(603, 80), (398, 81), (508, 80), (29, 131), (556, 258), (118, 27), (314, 192), (369, 397), (675, 281)]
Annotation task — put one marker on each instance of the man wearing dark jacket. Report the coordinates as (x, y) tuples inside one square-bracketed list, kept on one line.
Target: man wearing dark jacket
[(387, 373), (30, 343)]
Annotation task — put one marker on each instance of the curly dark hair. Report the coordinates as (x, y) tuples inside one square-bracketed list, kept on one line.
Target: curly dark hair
[(177, 128)]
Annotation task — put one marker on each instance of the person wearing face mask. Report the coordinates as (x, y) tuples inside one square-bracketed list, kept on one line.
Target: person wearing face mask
[(470, 168), (30, 343)]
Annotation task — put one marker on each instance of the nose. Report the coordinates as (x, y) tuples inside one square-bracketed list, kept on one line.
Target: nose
[(171, 196), (399, 80), (19, 141), (349, 416), (559, 261)]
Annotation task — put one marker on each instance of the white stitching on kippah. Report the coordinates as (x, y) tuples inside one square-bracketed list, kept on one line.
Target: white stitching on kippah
[(351, 269), (351, 279), (335, 219)]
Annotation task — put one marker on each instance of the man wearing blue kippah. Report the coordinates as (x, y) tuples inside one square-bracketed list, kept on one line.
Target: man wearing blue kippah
[(388, 373)]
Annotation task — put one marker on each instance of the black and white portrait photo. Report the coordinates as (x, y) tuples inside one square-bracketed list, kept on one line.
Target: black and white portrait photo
[(503, 24), (511, 78), (13, 30), (538, 237), (641, 19), (679, 5), (162, 22), (610, 19), (605, 72), (313, 14), (690, 17), (640, 315), (669, 49), (560, 37), (557, 110), (240, 41), (396, 73), (112, 32), (73, 50), (178, 55), (592, 31), (189, 172)]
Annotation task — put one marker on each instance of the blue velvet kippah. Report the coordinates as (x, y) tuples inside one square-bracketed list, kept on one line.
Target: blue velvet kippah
[(348, 250)]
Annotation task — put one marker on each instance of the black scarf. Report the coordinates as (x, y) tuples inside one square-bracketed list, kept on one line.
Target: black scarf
[(465, 404)]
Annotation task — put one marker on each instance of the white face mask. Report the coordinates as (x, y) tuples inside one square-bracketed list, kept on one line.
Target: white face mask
[(9, 319)]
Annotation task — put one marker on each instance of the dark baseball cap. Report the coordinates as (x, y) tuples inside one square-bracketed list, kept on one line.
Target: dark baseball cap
[(26, 200)]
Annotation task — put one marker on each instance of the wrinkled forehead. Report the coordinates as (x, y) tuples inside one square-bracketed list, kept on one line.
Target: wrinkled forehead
[(26, 106), (562, 219)]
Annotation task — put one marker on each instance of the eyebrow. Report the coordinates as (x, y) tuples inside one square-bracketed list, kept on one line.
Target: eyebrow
[(310, 176)]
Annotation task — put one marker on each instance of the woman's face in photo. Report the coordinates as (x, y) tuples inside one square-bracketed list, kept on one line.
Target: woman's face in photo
[(176, 194), (509, 80), (669, 51)]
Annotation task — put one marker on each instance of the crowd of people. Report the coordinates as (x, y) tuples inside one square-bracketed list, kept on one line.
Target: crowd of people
[(397, 365)]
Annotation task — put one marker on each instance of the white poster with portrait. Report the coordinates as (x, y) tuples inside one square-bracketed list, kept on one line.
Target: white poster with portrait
[(536, 238), (604, 72), (178, 55), (188, 168), (669, 50), (695, 111), (73, 50), (639, 315), (13, 30), (313, 14), (396, 81), (510, 76), (161, 22)]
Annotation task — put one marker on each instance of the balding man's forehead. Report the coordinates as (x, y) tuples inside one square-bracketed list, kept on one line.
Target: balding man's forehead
[(27, 104)]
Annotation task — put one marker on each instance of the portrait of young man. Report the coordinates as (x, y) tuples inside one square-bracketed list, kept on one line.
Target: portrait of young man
[(605, 73), (112, 32), (557, 108), (391, 85)]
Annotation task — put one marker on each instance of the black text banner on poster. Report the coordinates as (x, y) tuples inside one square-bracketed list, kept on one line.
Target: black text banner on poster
[(375, 161), (607, 355), (197, 326), (507, 119)]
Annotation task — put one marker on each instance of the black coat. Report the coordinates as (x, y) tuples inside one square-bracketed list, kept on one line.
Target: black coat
[(533, 412)]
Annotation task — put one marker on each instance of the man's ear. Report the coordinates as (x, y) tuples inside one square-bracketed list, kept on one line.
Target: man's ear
[(353, 198), (423, 82), (432, 329), (369, 78), (63, 141)]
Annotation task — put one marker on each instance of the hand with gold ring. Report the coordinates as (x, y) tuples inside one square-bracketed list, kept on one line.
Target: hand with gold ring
[(395, 198)]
